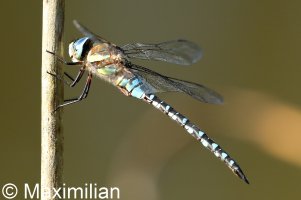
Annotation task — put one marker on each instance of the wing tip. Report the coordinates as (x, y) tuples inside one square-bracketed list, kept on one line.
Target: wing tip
[(214, 98), (219, 100), (195, 51)]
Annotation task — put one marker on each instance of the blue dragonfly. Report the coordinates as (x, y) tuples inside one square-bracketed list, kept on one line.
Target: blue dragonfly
[(111, 63)]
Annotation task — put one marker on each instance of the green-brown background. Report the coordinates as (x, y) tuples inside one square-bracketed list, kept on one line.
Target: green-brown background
[(251, 56)]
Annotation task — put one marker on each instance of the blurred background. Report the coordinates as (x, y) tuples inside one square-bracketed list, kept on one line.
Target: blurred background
[(251, 56)]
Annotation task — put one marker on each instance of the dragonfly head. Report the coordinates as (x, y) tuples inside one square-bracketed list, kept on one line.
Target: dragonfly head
[(79, 48)]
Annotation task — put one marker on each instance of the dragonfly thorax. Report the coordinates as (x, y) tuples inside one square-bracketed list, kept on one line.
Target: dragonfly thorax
[(104, 54), (79, 48)]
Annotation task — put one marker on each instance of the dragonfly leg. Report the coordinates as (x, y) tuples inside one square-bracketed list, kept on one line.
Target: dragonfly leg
[(63, 60), (77, 78), (60, 78), (69, 76), (74, 80), (83, 95)]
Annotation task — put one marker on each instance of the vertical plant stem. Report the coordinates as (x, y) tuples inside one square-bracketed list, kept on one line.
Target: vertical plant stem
[(52, 96)]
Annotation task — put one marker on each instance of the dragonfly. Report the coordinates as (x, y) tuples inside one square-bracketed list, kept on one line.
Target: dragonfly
[(111, 63)]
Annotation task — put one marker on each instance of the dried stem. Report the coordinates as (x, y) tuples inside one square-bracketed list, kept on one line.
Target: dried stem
[(52, 95)]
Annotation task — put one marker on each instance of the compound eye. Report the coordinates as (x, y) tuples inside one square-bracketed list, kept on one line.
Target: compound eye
[(78, 52), (71, 49), (79, 47)]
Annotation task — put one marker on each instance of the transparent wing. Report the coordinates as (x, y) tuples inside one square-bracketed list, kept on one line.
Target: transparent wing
[(88, 33), (181, 52), (156, 82)]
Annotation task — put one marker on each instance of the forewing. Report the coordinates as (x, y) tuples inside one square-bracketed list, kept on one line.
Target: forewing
[(156, 82), (88, 33), (181, 52)]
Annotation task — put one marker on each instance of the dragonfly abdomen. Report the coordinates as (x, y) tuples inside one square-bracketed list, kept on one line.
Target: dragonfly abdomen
[(135, 87), (196, 132)]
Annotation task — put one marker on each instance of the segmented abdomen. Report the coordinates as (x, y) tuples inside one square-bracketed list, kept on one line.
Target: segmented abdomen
[(136, 89)]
